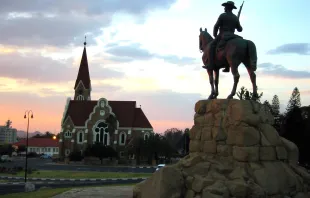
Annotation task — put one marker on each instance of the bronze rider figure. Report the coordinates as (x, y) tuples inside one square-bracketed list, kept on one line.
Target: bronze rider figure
[(226, 23)]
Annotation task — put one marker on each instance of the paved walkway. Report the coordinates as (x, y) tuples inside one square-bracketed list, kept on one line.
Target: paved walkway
[(68, 179), (103, 192)]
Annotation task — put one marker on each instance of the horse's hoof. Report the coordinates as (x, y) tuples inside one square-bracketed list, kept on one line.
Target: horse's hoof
[(211, 97), (230, 97)]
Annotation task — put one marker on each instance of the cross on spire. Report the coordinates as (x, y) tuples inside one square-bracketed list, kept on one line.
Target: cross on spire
[(85, 41)]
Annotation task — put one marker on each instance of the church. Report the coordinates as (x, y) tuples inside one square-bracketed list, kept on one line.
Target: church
[(83, 120)]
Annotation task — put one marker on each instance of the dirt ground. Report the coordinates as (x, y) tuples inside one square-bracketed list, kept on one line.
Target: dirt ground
[(103, 192)]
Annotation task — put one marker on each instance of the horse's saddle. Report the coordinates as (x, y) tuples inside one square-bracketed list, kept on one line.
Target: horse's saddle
[(224, 39)]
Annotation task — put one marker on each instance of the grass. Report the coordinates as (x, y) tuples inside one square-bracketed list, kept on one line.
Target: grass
[(49, 192), (78, 174)]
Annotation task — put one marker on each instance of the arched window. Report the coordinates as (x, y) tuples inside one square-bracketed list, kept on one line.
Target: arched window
[(122, 138), (146, 136), (67, 152), (80, 137), (101, 133), (80, 97), (68, 134)]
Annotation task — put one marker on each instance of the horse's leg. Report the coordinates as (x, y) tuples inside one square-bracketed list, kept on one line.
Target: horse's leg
[(210, 73), (253, 80), (216, 82), (236, 75)]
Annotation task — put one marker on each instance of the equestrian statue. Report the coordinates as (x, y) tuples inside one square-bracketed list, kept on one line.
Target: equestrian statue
[(227, 50)]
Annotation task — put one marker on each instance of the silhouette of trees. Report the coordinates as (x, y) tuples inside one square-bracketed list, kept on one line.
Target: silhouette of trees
[(275, 105), (244, 94), (101, 151), (294, 100)]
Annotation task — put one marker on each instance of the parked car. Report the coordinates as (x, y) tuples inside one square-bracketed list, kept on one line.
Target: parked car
[(6, 158), (159, 166), (45, 156)]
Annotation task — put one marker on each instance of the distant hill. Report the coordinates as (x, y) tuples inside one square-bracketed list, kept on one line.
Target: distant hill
[(23, 134)]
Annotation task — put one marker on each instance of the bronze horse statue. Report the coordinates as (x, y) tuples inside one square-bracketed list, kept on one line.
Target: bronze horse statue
[(236, 51)]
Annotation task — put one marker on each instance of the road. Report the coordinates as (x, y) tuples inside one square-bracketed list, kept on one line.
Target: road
[(46, 164), (20, 187)]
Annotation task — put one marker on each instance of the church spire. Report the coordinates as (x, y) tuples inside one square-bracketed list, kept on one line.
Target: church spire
[(83, 77)]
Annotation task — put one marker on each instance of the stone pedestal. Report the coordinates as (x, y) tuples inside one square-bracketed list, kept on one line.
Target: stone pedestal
[(234, 152)]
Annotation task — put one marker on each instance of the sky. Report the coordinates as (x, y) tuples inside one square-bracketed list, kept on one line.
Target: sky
[(140, 50)]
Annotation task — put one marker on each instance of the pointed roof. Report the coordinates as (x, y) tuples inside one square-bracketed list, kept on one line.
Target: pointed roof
[(83, 74)]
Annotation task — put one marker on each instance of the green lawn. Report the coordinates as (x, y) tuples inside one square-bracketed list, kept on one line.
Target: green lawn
[(78, 174), (47, 193)]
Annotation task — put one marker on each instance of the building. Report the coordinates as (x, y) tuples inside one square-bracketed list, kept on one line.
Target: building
[(40, 145), (84, 120), (8, 135)]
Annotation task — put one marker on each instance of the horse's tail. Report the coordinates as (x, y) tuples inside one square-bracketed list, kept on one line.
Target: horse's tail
[(252, 55)]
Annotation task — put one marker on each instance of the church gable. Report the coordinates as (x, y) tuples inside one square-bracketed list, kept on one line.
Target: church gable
[(68, 128), (68, 122), (101, 111)]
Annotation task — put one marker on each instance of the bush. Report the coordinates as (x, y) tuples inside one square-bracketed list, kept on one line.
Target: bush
[(32, 154), (75, 156), (101, 151)]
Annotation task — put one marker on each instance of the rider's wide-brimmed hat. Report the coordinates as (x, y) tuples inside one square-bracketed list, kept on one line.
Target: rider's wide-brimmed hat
[(229, 4)]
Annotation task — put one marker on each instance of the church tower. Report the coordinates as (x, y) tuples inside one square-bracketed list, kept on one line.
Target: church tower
[(82, 85)]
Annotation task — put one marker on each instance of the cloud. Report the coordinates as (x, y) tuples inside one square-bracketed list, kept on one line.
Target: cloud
[(60, 30), (134, 51), (305, 92), (61, 22), (292, 48), (269, 69), (37, 68), (94, 7)]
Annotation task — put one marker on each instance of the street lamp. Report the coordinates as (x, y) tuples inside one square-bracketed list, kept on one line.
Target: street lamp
[(27, 116), (54, 137)]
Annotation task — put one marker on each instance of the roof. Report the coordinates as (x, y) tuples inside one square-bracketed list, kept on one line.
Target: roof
[(83, 74), (38, 142), (126, 113), (140, 119)]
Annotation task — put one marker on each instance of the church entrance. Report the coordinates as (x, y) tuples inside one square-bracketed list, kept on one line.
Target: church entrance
[(101, 133)]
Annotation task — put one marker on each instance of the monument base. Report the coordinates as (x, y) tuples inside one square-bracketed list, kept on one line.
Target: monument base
[(234, 152)]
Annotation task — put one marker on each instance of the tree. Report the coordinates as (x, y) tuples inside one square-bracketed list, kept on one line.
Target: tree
[(173, 136), (268, 105), (8, 123), (154, 147), (112, 126), (47, 134), (101, 151), (275, 106), (294, 100), (244, 94), (294, 129), (75, 156), (22, 148), (6, 149)]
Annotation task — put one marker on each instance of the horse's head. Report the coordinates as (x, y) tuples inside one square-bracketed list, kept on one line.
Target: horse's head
[(204, 38)]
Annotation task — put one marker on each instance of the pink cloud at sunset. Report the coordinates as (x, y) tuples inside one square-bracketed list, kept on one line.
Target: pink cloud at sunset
[(128, 60)]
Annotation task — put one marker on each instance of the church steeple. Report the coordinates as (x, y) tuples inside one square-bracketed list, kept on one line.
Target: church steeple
[(82, 85)]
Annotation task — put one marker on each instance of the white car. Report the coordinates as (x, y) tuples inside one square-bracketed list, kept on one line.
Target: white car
[(6, 158), (159, 166)]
